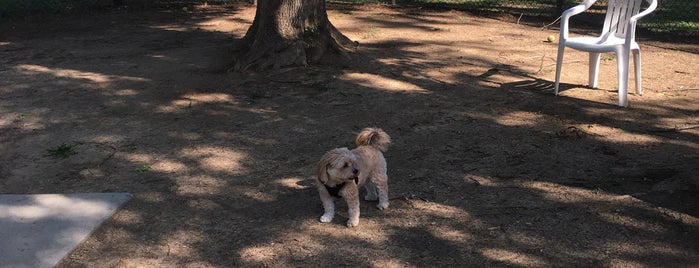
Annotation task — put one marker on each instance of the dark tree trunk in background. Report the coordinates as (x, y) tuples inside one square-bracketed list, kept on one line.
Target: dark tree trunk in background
[(559, 6), (289, 33)]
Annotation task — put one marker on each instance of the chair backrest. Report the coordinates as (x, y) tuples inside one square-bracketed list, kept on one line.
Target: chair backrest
[(618, 14)]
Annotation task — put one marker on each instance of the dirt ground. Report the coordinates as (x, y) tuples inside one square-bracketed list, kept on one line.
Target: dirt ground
[(487, 166)]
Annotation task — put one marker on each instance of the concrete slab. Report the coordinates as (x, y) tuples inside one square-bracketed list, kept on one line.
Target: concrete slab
[(39, 230)]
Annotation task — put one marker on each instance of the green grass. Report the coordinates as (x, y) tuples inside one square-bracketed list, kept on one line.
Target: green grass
[(61, 151), (680, 17), (144, 168), (373, 31), (13, 6)]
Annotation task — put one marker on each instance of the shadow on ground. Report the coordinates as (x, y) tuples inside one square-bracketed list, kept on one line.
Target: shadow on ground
[(487, 168)]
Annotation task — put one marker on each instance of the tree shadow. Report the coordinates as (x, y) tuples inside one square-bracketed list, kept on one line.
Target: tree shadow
[(479, 172)]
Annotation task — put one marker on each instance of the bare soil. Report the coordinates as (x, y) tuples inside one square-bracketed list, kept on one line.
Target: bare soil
[(487, 167)]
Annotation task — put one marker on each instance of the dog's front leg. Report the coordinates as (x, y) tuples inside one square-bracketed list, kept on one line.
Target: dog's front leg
[(328, 205), (351, 195)]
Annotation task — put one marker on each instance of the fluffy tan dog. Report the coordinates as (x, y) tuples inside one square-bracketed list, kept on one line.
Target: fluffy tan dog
[(340, 173)]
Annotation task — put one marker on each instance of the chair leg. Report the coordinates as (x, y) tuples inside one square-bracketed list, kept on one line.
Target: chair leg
[(623, 74), (594, 69), (559, 65), (637, 69)]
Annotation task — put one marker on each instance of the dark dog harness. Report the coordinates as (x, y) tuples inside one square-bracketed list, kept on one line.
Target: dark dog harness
[(335, 190)]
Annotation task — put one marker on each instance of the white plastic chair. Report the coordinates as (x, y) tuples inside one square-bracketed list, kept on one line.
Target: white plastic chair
[(618, 36)]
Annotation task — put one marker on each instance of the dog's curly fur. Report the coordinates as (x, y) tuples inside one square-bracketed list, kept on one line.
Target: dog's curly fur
[(351, 169)]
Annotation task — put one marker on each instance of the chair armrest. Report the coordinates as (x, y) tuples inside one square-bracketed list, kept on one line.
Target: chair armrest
[(580, 8), (651, 8), (631, 27)]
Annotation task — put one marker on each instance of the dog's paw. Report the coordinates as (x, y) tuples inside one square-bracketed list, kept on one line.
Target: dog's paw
[(351, 223), (382, 206), (326, 218)]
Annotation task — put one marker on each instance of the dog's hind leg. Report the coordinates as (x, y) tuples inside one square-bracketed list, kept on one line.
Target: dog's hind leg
[(381, 184), (371, 194)]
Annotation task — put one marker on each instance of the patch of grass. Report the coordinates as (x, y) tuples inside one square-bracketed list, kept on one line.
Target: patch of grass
[(61, 151), (19, 118), (373, 31), (144, 168), (608, 56), (311, 31)]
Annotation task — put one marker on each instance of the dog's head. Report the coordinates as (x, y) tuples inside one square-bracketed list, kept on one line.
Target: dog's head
[(337, 166)]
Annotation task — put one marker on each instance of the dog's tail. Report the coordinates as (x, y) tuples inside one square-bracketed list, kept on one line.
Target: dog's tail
[(375, 137)]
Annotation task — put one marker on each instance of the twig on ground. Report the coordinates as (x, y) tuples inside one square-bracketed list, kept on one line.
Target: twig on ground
[(547, 25), (676, 90), (676, 129)]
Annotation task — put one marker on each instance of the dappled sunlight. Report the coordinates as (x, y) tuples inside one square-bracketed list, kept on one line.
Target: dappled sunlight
[(23, 121), (107, 138), (221, 163), (455, 236), (625, 263), (199, 185), (140, 158), (314, 238), (537, 120), (293, 183), (510, 257), (258, 254), (159, 56), (381, 82), (529, 240), (632, 249), (573, 195), (190, 100), (173, 27), (440, 210), (382, 262), (169, 166), (188, 136), (221, 24), (214, 158), (125, 92), (76, 74), (520, 118), (223, 100), (619, 135), (458, 233), (209, 98), (630, 222), (48, 206), (255, 193)]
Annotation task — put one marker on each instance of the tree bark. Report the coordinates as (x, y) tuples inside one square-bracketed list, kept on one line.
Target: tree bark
[(289, 33)]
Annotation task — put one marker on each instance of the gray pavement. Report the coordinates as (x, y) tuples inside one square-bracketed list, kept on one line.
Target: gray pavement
[(39, 230)]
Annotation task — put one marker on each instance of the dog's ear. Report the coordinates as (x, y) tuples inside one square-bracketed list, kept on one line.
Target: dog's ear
[(322, 172)]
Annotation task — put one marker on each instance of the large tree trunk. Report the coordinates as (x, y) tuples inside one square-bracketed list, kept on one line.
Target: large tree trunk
[(289, 33)]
